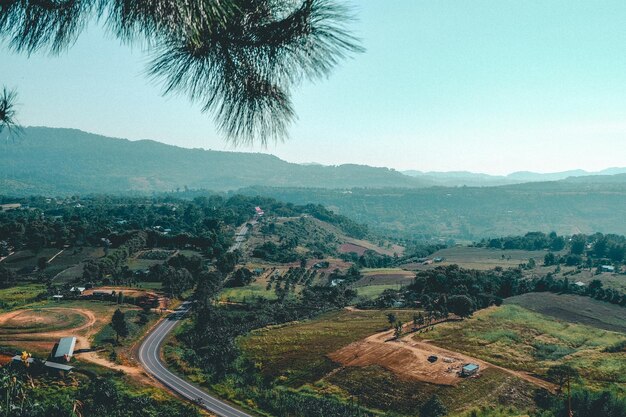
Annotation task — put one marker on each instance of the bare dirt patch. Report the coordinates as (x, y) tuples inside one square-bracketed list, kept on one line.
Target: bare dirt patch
[(351, 247), (36, 327), (405, 358), (408, 358)]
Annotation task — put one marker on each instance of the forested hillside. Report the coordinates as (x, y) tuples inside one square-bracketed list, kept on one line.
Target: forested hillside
[(596, 204), (64, 161)]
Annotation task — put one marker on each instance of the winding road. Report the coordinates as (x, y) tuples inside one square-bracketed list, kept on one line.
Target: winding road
[(150, 358), (149, 355)]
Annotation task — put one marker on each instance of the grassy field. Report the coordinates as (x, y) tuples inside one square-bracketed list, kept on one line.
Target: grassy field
[(574, 309), (14, 297), (371, 292), (380, 389), (240, 294), (40, 320), (296, 353), (36, 327), (614, 281), (482, 258), (26, 258), (377, 280), (519, 339)]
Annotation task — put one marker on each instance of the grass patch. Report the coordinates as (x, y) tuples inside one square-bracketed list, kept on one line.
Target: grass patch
[(380, 389), (107, 335), (371, 292), (241, 294), (527, 341), (39, 320), (295, 353), (21, 295)]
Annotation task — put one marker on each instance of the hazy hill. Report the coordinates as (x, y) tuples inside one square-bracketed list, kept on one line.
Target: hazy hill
[(471, 179), (62, 161)]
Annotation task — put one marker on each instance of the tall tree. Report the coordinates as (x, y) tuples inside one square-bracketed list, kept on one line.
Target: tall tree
[(118, 322), (238, 58)]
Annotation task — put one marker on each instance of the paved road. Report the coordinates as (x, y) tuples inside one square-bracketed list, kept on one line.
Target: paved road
[(151, 361), (240, 236)]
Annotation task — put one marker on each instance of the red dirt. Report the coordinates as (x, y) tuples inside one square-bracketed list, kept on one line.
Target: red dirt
[(407, 358), (351, 247), (44, 341)]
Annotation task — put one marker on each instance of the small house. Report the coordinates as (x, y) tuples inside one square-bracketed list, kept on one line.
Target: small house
[(51, 366), (469, 369), (58, 367), (77, 290), (57, 297), (607, 268)]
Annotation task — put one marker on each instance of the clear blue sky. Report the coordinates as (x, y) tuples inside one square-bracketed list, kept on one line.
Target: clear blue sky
[(484, 85)]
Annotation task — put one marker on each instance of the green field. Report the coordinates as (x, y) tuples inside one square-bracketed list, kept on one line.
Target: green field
[(483, 258), (519, 339), (38, 320), (296, 353), (371, 292), (14, 297), (240, 294), (380, 389)]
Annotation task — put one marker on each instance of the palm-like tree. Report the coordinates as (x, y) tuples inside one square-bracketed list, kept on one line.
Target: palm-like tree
[(8, 121), (238, 58)]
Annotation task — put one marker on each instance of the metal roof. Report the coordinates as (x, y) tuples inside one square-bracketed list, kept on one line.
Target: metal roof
[(65, 347), (470, 367), (58, 366)]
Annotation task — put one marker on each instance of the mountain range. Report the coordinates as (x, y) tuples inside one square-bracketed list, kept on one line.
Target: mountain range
[(52, 161), (471, 179), (66, 161)]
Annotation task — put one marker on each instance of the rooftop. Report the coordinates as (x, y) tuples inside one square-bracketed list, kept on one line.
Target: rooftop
[(65, 347), (470, 367)]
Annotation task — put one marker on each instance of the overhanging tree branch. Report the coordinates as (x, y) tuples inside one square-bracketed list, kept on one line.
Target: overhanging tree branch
[(240, 59)]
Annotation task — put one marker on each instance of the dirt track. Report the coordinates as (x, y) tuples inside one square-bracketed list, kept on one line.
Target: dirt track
[(407, 358), (83, 333)]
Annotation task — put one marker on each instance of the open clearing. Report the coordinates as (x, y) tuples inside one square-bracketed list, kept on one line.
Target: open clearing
[(385, 276), (300, 356), (480, 258), (522, 340), (408, 359), (574, 309), (38, 329), (20, 295), (377, 280), (296, 353)]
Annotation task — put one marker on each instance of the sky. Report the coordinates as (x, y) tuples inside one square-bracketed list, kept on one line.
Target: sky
[(492, 86)]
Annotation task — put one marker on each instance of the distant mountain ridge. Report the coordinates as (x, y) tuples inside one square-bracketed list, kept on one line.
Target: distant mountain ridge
[(66, 161), (52, 161), (471, 179)]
